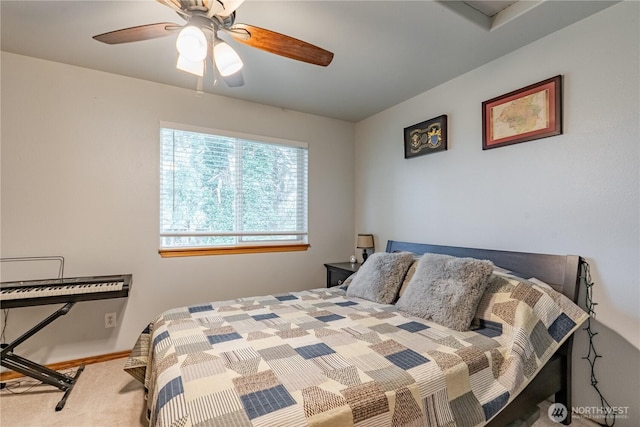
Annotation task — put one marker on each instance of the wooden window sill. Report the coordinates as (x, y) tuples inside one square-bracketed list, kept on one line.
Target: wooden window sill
[(232, 250)]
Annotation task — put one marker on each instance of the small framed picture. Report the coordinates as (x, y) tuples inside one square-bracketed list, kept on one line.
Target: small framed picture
[(532, 112), (425, 138)]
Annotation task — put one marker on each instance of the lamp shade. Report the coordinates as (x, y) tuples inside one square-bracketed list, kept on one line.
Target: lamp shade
[(365, 241), (226, 59), (192, 43), (193, 67)]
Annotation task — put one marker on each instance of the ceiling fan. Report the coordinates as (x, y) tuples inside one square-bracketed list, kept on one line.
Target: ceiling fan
[(198, 38)]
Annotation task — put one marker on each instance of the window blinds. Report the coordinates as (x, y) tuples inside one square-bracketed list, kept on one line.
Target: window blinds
[(221, 190)]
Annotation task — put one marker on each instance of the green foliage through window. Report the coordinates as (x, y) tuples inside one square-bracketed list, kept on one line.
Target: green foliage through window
[(218, 190)]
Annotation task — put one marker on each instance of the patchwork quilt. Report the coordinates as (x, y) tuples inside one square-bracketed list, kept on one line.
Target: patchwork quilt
[(320, 358)]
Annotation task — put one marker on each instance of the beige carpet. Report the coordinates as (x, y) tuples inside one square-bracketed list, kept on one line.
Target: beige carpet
[(106, 396)]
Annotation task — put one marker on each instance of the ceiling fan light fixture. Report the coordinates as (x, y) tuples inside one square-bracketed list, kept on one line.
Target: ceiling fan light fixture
[(197, 40), (226, 59), (192, 43), (193, 67)]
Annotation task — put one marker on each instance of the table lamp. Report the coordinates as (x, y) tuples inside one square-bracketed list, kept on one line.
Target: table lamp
[(365, 241)]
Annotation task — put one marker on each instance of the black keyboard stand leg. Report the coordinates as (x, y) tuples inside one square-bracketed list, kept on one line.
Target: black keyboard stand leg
[(34, 370), (60, 404)]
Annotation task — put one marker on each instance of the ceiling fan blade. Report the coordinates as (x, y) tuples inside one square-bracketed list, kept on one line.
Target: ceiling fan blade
[(280, 44), (177, 6), (135, 34), (174, 4), (229, 7)]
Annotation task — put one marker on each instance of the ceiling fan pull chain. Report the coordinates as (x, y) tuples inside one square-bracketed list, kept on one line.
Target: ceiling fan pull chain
[(214, 74)]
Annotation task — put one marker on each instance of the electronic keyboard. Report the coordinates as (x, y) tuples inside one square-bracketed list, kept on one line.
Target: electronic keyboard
[(57, 291)]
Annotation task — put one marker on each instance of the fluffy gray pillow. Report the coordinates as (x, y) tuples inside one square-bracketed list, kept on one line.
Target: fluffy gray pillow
[(446, 290), (380, 277), (347, 281)]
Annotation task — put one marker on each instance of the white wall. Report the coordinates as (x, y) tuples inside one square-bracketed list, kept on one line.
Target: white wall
[(80, 179), (577, 193)]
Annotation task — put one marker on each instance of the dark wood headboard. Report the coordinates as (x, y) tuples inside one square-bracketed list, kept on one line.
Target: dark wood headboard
[(562, 272)]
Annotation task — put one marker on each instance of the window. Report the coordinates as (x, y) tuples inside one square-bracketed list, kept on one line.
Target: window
[(227, 193)]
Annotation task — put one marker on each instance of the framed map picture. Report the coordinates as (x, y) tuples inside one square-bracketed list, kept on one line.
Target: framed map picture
[(426, 137), (532, 112)]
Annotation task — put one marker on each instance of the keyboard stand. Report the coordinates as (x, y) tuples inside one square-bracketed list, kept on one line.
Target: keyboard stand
[(26, 367)]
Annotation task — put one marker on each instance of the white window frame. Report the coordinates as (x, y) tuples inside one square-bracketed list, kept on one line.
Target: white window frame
[(242, 244)]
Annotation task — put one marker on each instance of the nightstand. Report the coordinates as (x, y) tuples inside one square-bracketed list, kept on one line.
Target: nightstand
[(337, 272)]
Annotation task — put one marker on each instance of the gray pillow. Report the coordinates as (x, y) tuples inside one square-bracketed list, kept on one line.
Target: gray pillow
[(380, 277), (347, 281), (446, 290)]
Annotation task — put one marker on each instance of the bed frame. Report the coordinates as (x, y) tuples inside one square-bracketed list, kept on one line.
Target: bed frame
[(562, 272)]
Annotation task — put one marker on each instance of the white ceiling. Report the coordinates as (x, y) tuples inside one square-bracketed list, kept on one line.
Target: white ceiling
[(385, 51)]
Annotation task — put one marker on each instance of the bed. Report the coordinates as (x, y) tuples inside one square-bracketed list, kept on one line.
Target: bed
[(329, 357)]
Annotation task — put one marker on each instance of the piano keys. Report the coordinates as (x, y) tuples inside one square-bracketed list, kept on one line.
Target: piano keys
[(56, 291)]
